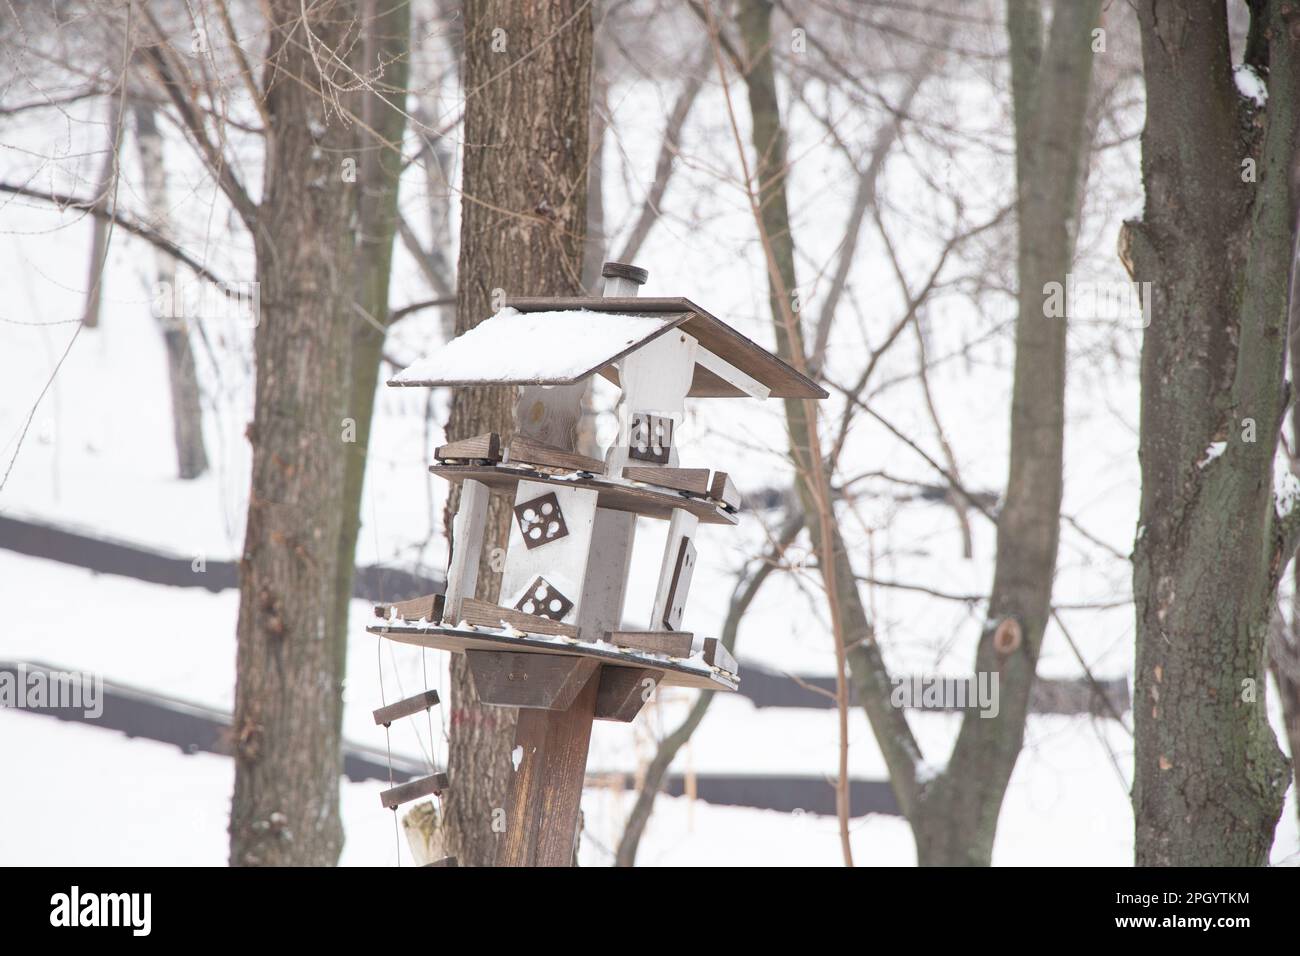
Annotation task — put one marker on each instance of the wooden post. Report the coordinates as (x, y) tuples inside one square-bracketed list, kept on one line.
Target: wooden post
[(546, 790), (551, 745)]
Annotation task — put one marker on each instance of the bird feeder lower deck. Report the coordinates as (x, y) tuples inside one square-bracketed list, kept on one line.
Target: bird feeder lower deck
[(476, 625), (556, 645)]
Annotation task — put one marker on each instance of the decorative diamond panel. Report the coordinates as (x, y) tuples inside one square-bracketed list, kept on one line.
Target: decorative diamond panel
[(540, 521), (650, 438), (543, 600)]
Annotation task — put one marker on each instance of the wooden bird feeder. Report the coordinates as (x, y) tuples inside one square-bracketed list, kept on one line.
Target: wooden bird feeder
[(556, 645)]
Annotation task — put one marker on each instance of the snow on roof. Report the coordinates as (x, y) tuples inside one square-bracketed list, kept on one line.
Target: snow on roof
[(535, 348)]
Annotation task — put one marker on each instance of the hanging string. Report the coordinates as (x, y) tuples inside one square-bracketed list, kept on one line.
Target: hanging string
[(428, 712), (383, 697), (388, 745), (397, 830), (427, 752)]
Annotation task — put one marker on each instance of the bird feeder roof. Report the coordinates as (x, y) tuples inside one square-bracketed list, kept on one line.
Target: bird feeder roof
[(560, 341), (534, 348)]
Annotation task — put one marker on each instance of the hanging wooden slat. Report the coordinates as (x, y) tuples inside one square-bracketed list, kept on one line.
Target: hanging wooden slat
[(406, 707), (445, 861), (675, 571), (683, 570), (468, 528), (406, 792)]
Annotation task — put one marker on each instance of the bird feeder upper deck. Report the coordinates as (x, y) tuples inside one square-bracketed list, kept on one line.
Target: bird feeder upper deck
[(564, 575)]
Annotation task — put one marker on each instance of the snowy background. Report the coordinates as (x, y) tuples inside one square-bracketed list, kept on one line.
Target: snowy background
[(98, 457)]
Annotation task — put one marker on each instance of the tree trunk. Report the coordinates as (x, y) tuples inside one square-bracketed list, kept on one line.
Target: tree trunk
[(528, 71), (957, 812), (104, 194), (187, 410), (851, 628), (288, 693), (387, 41), (595, 241), (1216, 244)]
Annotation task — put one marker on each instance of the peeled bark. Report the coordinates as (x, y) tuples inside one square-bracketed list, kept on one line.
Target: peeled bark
[(1216, 245), (523, 218), (288, 694), (187, 410)]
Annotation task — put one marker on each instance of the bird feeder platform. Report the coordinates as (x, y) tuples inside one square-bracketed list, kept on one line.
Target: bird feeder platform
[(613, 494), (555, 644), (677, 672)]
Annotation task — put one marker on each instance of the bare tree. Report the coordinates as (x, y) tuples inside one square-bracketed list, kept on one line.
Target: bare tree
[(953, 812), (288, 692), (767, 195), (1216, 242), (186, 404), (956, 812), (386, 50)]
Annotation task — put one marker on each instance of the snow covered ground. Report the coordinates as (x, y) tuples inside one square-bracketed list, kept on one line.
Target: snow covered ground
[(93, 795)]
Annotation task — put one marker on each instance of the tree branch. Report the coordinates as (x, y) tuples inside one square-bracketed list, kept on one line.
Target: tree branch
[(668, 151), (127, 225), (742, 597), (156, 55)]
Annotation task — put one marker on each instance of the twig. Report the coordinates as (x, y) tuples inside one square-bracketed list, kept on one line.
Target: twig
[(122, 222)]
